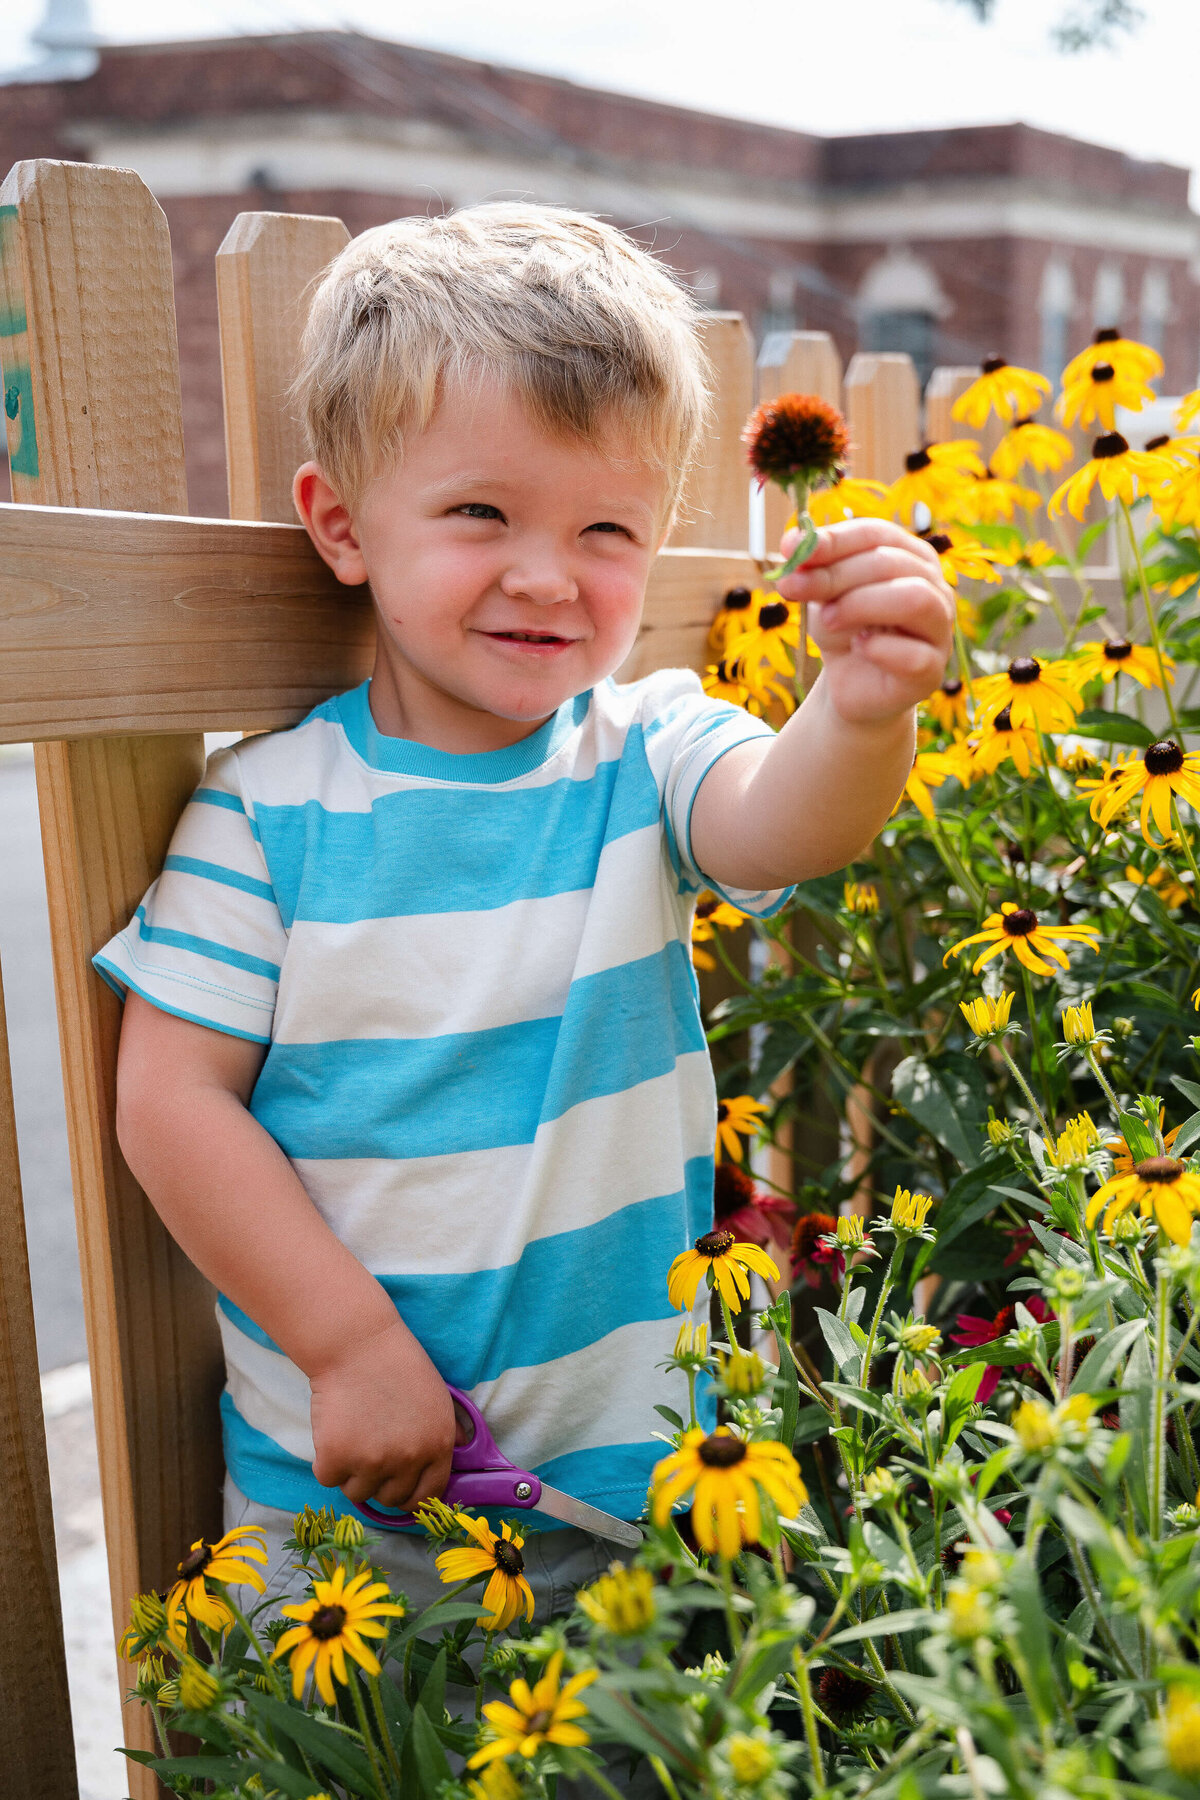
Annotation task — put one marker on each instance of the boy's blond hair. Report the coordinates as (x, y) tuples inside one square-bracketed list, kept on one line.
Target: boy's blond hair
[(594, 334)]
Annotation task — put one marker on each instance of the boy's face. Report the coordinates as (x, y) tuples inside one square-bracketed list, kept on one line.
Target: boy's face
[(508, 569)]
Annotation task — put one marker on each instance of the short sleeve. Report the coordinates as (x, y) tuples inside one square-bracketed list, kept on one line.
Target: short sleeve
[(207, 942), (685, 733)]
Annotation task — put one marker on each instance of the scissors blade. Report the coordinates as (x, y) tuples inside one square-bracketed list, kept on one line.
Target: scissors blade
[(588, 1518)]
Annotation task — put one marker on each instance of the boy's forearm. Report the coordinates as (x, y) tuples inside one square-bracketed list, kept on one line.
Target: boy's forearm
[(808, 805), (228, 1195)]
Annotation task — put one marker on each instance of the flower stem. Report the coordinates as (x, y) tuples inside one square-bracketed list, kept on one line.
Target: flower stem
[(889, 1281), (1093, 1063), (364, 1725), (1151, 618), (730, 1328), (1023, 1085), (1158, 1432), (732, 1622), (1036, 1045), (804, 1688)]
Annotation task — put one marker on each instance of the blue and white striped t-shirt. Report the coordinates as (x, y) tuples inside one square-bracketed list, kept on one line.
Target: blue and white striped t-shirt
[(486, 1060)]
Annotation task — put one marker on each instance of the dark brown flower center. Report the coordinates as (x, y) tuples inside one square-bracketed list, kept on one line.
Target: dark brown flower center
[(721, 1452), (939, 542), (508, 1558), (1156, 443), (990, 364), (1021, 922), (1159, 1170), (772, 616), (705, 908), (952, 689), (1107, 334), (1164, 758), (1023, 670), (1104, 372), (725, 673), (1020, 424), (539, 1721), (1117, 649), (737, 599), (195, 1562), (916, 460), (714, 1243), (1110, 443), (1003, 719), (327, 1622)]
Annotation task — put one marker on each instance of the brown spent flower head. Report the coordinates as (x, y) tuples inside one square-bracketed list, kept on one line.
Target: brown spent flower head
[(841, 1696), (796, 436), (732, 1189), (810, 1229)]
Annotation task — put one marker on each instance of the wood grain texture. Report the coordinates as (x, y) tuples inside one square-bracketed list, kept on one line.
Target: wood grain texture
[(39, 1755), (135, 622), (883, 411), (715, 513), (794, 362), (266, 268), (87, 261), (685, 591)]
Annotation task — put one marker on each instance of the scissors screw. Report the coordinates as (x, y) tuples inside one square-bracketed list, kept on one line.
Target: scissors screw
[(522, 1491)]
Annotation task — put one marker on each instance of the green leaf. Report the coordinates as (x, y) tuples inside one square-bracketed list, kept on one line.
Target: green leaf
[(1187, 1088), (433, 1690), (787, 1386), (427, 1753), (1112, 728), (1138, 1136), (844, 1350), (1092, 1373), (885, 1625), (1088, 536), (1032, 1636), (812, 1423), (948, 1100), (672, 1417), (323, 1743), (1186, 1136)]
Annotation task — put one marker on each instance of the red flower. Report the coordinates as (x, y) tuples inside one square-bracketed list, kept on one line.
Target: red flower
[(809, 1254), (973, 1330), (740, 1207)]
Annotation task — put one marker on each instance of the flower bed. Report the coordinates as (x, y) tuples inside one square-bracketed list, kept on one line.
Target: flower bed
[(949, 1543)]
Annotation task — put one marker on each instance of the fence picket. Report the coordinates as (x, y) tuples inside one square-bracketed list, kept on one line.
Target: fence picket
[(883, 411), (715, 513)]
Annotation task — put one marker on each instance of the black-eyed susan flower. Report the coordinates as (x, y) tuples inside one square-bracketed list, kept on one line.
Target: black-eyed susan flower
[(1035, 553), (1100, 787), (987, 1016), (1179, 450), (1028, 444), (722, 1262), (620, 1602), (1017, 928), (990, 500), (230, 1561), (741, 1114), (497, 1782), (850, 498), (1188, 410), (1126, 355), (930, 768), (1095, 396), (1181, 1731), (1001, 741), (1000, 388), (728, 1475), (531, 1717), (960, 554), (1037, 695), (1160, 773), (1162, 1188), (1176, 498), (773, 636), (947, 705), (927, 482), (726, 680), (1165, 883), (860, 897), (1104, 661), (342, 1613), (1120, 472), (712, 915), (499, 1558), (732, 620)]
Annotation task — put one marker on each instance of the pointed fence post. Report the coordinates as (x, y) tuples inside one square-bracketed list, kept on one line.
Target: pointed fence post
[(794, 362), (87, 267), (715, 511), (883, 411)]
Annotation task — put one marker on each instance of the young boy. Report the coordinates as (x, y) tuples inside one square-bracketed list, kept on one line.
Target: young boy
[(412, 1064)]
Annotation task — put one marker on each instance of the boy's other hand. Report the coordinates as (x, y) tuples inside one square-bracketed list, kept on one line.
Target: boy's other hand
[(383, 1422), (882, 616)]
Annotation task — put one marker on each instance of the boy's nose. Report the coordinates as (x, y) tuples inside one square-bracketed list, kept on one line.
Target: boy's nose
[(545, 585)]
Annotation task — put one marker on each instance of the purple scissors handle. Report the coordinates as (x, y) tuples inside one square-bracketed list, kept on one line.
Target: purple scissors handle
[(479, 1474)]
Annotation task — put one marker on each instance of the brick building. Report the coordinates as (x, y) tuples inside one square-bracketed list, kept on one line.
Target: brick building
[(947, 243)]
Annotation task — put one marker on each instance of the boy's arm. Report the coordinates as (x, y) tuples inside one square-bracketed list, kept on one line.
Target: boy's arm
[(383, 1423), (775, 811)]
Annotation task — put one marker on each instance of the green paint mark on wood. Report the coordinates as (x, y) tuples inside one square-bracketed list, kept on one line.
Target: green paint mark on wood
[(18, 407)]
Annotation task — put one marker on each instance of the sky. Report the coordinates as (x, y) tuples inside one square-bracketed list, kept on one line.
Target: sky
[(819, 65)]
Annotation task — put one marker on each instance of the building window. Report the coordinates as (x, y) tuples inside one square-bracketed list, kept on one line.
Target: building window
[(1155, 308), (1056, 304), (1108, 296), (900, 305)]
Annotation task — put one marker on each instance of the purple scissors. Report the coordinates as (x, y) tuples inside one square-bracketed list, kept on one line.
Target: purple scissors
[(481, 1476)]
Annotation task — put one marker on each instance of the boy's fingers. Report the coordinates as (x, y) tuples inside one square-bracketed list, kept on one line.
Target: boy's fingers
[(907, 605), (848, 537), (879, 562), (910, 659)]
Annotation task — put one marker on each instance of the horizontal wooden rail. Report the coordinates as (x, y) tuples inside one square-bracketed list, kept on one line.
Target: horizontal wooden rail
[(152, 623)]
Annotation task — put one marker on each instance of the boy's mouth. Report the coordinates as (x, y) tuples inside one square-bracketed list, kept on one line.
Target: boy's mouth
[(532, 640)]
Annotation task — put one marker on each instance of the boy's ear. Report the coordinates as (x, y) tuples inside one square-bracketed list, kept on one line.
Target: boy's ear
[(328, 523)]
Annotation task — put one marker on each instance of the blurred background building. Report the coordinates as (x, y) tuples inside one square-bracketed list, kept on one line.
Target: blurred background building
[(950, 243)]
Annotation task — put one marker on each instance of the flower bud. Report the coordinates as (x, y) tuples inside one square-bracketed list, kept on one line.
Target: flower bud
[(742, 1372), (199, 1689), (750, 1759), (349, 1533), (918, 1339), (1034, 1425), (1067, 1282), (311, 1529), (1000, 1133), (881, 1488), (849, 1232)]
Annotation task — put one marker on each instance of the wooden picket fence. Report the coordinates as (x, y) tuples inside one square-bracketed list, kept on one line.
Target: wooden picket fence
[(127, 630)]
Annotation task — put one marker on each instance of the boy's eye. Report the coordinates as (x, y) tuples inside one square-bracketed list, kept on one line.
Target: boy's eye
[(479, 509), (608, 525)]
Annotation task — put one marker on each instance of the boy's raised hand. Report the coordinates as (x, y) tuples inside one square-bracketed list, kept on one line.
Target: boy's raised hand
[(883, 616)]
